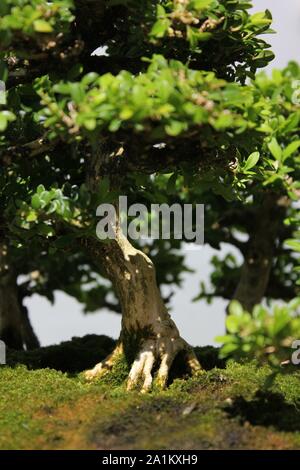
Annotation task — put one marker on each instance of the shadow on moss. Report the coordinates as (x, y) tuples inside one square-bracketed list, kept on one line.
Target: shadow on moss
[(267, 409), (208, 357)]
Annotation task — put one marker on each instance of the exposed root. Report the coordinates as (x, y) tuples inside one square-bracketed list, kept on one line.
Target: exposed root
[(106, 365), (163, 352), (160, 352)]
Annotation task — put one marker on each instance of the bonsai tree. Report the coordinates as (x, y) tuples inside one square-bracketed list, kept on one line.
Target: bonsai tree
[(81, 125)]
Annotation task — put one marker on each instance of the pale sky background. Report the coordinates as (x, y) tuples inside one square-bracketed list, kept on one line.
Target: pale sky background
[(198, 323)]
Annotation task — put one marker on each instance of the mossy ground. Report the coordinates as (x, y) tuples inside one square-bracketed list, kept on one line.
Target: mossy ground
[(46, 404)]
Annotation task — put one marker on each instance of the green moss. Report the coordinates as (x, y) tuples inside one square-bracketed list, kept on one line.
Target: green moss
[(222, 408), (119, 373)]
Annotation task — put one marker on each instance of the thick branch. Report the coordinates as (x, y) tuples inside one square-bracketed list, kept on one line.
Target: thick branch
[(256, 270)]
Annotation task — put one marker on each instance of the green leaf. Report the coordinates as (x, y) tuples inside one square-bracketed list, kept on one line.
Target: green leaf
[(126, 113), (2, 97), (161, 12), (3, 122), (261, 19), (90, 124), (114, 125), (35, 201), (228, 349), (5, 118), (291, 123), (201, 4), (160, 27), (290, 149), (40, 189), (223, 121), (294, 244), (42, 26), (294, 304), (175, 128), (31, 217), (251, 161), (235, 308), (76, 91), (225, 339), (280, 322), (275, 149), (232, 324)]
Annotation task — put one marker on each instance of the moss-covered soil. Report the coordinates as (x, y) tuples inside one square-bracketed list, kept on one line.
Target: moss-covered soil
[(46, 404)]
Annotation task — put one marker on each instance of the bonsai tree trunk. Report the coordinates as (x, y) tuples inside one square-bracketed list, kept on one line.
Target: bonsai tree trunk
[(148, 336), (29, 337), (15, 328), (260, 250)]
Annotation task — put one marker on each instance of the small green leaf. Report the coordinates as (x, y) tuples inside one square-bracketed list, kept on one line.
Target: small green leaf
[(251, 161), (290, 149), (40, 188), (5, 118), (228, 349), (232, 324), (260, 19), (275, 149), (126, 113), (42, 26), (35, 201), (235, 308), (90, 124), (2, 97), (201, 4), (114, 125), (3, 122), (175, 127), (31, 217), (294, 244), (160, 28)]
